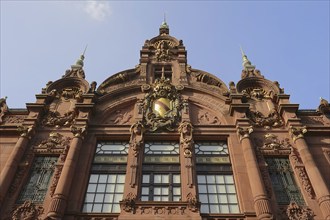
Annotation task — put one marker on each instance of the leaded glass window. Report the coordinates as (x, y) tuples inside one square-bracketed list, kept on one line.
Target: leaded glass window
[(106, 183), (211, 148), (41, 172), (283, 182), (217, 193), (161, 147)]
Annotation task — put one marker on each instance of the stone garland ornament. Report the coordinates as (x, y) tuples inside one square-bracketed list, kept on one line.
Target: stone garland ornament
[(55, 140), (162, 105), (27, 211)]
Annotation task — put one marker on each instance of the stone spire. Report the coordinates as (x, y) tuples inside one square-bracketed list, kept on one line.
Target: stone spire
[(77, 69), (164, 28)]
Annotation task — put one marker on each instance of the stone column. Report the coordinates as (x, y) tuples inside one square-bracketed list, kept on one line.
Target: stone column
[(10, 168), (318, 183), (59, 201), (261, 202)]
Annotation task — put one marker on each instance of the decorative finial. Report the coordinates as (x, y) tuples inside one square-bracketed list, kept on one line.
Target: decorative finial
[(164, 28), (80, 61), (246, 62)]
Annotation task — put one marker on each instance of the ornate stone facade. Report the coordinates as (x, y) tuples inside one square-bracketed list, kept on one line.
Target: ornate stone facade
[(177, 144)]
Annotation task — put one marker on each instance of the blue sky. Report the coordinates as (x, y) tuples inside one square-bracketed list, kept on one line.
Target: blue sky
[(287, 40)]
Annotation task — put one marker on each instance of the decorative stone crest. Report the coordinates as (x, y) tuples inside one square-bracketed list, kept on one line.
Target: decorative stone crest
[(27, 211), (297, 132), (25, 131), (3, 108), (128, 204), (185, 129), (259, 120), (244, 132), (193, 204), (162, 105), (136, 140), (296, 212), (78, 131)]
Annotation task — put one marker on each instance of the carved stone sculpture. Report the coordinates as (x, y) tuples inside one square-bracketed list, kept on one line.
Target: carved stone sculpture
[(78, 131), (55, 140), (193, 203), (244, 132), (273, 143), (186, 141), (3, 108), (25, 131), (136, 140), (27, 211), (163, 51)]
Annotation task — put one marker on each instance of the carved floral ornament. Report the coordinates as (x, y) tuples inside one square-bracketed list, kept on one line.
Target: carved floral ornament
[(55, 140), (162, 105), (273, 143)]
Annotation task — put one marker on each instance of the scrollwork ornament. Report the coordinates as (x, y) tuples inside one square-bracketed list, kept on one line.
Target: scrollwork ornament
[(78, 131), (244, 132), (27, 211), (297, 132), (25, 131), (137, 130)]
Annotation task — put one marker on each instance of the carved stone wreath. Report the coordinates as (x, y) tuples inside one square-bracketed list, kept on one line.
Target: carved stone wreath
[(162, 105), (273, 119)]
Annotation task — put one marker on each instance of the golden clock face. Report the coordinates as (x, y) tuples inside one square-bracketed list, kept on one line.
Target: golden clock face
[(162, 106)]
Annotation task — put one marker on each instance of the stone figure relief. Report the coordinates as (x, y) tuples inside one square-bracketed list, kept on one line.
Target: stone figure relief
[(186, 142), (163, 51), (137, 131), (205, 118)]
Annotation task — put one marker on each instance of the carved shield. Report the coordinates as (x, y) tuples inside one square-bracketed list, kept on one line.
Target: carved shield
[(162, 106)]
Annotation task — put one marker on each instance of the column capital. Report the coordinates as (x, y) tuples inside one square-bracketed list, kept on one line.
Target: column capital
[(26, 131), (244, 132), (79, 131), (297, 132)]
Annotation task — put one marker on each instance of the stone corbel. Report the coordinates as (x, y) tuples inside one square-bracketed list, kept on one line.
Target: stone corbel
[(244, 132), (297, 132), (128, 204), (193, 204)]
